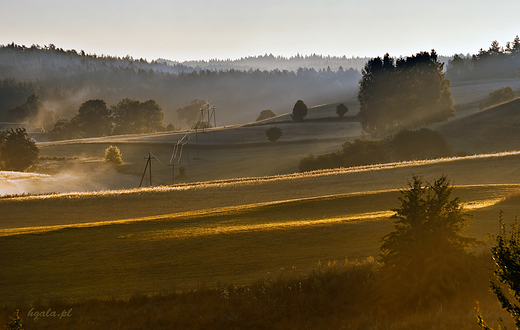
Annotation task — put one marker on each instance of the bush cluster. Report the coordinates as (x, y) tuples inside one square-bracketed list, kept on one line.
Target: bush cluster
[(405, 145), (499, 96)]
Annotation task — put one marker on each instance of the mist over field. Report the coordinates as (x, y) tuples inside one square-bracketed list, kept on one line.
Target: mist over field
[(96, 176)]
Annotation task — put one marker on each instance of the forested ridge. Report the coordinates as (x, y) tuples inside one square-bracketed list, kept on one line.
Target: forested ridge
[(64, 79)]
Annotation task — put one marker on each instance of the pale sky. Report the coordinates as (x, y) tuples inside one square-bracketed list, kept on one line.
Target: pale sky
[(208, 29)]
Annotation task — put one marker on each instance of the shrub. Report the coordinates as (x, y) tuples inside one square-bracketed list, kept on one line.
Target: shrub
[(499, 96), (265, 114), (113, 155), (341, 110), (16, 322), (421, 144), (273, 133), (405, 145), (299, 111)]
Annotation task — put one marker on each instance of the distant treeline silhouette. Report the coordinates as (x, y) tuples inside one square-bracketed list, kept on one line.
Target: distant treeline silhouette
[(64, 79), (495, 62), (270, 62)]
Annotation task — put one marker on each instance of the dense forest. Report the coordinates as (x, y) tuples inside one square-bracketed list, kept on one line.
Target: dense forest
[(64, 79)]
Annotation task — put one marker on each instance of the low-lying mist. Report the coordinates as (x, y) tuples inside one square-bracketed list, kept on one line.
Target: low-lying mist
[(91, 176)]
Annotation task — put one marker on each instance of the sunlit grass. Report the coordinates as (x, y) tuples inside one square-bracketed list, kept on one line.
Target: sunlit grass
[(250, 180)]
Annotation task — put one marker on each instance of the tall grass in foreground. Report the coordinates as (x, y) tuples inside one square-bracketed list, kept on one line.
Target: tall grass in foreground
[(332, 296)]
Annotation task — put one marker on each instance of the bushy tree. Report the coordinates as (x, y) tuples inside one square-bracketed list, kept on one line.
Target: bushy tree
[(299, 111), (506, 282), (93, 119), (113, 155), (273, 133), (131, 116), (406, 93), (424, 260), (17, 151), (341, 110), (499, 96)]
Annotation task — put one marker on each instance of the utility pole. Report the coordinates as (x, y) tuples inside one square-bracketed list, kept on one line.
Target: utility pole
[(148, 164)]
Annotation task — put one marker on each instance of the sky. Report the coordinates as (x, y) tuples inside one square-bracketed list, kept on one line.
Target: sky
[(222, 29)]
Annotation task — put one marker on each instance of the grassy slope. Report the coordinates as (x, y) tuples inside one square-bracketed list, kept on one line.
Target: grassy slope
[(270, 223), (235, 245), (494, 129), (181, 251)]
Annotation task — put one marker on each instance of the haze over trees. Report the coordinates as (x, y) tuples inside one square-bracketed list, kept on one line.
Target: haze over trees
[(404, 93), (495, 62), (94, 119), (64, 79)]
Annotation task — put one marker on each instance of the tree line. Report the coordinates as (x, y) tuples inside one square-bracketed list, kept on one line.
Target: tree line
[(494, 62), (95, 118), (65, 79)]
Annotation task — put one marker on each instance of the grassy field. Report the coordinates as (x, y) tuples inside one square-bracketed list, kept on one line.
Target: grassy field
[(180, 251), (239, 218)]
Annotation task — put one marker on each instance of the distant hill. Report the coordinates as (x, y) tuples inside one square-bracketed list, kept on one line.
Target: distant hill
[(66, 78), (271, 62), (491, 130)]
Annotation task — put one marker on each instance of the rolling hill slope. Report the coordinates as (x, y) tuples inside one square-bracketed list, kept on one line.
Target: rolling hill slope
[(490, 130)]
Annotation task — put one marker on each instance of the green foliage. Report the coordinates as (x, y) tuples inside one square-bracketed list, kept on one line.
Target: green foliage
[(499, 96), (424, 259), (406, 93), (405, 145), (506, 282), (113, 155), (273, 133), (131, 116), (265, 114), (17, 151), (93, 119), (299, 111), (15, 323), (341, 110)]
